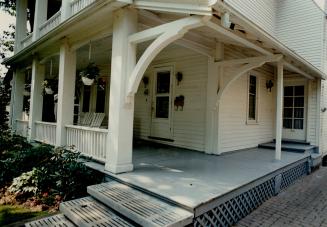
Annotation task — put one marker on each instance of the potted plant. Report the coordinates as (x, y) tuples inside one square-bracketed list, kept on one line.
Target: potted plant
[(27, 90), (49, 86), (89, 74)]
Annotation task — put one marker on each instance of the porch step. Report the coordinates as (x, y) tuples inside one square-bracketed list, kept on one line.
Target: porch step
[(292, 147), (285, 141), (88, 212), (58, 220), (142, 208)]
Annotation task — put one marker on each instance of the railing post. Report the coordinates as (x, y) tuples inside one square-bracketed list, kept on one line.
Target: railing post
[(17, 98), (65, 10), (36, 101), (120, 139), (21, 23), (66, 92), (41, 8)]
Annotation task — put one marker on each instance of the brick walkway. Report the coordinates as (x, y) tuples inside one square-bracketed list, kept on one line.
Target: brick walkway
[(302, 204)]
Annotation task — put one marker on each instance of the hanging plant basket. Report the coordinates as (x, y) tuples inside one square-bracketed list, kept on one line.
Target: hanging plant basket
[(87, 81), (48, 90), (89, 74)]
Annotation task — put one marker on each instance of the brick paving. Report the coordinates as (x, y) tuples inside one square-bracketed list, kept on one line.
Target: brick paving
[(302, 204)]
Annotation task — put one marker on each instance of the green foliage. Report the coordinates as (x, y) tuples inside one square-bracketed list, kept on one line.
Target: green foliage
[(25, 183), (4, 102)]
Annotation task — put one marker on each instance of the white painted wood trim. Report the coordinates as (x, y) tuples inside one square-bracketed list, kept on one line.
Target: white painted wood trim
[(318, 120), (45, 123), (173, 31), (87, 128), (279, 110)]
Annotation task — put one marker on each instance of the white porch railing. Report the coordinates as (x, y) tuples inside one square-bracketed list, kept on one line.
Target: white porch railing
[(21, 128), (78, 5), (26, 41), (88, 141), (45, 132), (50, 24)]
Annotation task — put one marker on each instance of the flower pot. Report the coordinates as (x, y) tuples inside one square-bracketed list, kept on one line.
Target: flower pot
[(48, 90), (87, 81)]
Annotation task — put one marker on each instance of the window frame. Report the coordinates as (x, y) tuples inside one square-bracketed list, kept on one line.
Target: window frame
[(256, 119)]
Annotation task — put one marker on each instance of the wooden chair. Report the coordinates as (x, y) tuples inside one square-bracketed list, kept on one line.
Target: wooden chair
[(97, 120), (87, 119)]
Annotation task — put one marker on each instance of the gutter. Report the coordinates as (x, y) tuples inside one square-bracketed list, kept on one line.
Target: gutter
[(221, 4)]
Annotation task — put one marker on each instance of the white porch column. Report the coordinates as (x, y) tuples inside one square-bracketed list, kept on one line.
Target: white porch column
[(21, 22), (120, 139), (66, 92), (41, 8), (279, 110), (36, 101), (17, 97), (65, 9), (212, 110)]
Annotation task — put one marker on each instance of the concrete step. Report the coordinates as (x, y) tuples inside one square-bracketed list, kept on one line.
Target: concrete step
[(292, 147), (58, 220), (89, 212), (138, 206)]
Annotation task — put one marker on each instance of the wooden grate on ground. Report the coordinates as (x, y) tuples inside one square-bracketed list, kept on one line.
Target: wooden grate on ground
[(144, 209), (88, 212), (54, 221)]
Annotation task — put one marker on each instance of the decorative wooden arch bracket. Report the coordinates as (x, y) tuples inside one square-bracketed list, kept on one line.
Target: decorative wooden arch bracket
[(234, 69), (163, 35)]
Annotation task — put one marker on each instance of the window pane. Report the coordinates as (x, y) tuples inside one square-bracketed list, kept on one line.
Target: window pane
[(162, 107), (288, 91), (288, 102), (299, 90), (287, 123), (299, 102), (288, 112), (298, 124), (298, 112), (252, 107), (163, 82)]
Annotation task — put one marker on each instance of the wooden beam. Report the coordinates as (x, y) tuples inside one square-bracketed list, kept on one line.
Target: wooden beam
[(269, 58)]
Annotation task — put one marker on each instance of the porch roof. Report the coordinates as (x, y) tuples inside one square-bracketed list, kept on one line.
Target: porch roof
[(191, 178)]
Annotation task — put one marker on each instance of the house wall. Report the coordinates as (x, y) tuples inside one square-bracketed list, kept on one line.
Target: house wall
[(261, 12), (323, 118), (236, 133), (188, 126), (298, 24)]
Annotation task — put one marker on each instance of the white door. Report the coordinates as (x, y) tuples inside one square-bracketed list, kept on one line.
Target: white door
[(294, 112), (161, 104)]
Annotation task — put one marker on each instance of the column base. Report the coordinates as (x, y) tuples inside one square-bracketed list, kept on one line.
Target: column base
[(122, 168)]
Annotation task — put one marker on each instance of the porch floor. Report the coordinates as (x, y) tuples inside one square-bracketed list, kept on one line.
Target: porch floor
[(190, 178)]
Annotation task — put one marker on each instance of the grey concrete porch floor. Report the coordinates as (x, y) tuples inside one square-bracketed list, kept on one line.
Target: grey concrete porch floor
[(192, 178)]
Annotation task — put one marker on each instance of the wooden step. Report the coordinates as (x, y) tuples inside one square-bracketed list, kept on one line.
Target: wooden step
[(299, 148), (58, 220), (89, 212), (138, 206)]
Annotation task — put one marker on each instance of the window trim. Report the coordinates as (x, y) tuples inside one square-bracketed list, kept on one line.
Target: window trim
[(256, 120)]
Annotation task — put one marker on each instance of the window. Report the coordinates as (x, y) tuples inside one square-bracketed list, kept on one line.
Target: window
[(252, 99)]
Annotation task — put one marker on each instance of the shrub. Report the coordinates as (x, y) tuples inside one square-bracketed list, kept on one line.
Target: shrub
[(25, 183)]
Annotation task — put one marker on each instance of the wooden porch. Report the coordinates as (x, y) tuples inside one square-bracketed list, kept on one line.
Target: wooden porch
[(190, 178)]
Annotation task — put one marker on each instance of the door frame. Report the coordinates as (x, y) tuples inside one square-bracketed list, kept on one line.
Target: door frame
[(157, 68), (298, 82)]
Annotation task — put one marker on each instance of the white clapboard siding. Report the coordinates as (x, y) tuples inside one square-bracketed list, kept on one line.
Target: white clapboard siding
[(235, 132), (260, 12), (300, 26), (188, 126)]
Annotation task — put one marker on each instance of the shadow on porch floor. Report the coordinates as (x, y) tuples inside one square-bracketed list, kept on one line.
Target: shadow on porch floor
[(190, 178)]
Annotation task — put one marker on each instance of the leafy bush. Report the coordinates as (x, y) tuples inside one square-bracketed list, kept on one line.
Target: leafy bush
[(25, 183)]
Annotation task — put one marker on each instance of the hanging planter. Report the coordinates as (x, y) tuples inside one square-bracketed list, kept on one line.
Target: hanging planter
[(87, 81), (48, 90), (49, 86), (91, 72)]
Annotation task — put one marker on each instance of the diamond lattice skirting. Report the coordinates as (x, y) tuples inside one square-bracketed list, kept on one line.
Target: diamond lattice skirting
[(231, 211)]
